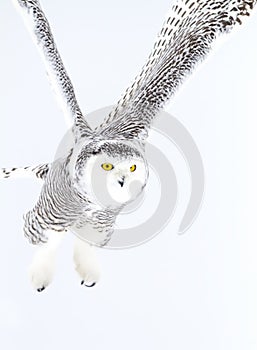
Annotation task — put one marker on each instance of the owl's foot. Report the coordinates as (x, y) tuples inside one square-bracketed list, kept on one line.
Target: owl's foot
[(41, 270), (86, 263)]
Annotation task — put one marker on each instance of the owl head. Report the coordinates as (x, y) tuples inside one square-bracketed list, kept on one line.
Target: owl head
[(110, 172)]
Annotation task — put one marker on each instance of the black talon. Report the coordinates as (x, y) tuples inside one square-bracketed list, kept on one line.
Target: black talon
[(82, 282), (41, 289), (91, 285)]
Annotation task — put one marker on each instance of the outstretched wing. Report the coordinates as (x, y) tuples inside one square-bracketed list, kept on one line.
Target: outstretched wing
[(40, 30), (185, 39)]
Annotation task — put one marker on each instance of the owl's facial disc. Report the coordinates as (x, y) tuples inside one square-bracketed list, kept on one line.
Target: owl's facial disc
[(115, 176), (125, 181)]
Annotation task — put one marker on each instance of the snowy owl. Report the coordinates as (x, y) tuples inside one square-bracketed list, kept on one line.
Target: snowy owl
[(113, 153)]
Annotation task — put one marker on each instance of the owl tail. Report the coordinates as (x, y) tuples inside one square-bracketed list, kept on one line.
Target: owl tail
[(39, 172)]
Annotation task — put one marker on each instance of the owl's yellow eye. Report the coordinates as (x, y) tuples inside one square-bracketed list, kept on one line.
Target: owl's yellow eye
[(107, 166), (133, 167)]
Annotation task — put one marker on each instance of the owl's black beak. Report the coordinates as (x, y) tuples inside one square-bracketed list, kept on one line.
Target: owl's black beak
[(121, 181)]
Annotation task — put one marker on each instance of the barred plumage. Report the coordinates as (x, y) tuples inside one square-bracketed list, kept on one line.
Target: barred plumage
[(67, 199)]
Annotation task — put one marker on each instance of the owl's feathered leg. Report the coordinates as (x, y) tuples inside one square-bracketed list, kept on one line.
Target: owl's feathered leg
[(39, 172), (86, 263), (42, 268)]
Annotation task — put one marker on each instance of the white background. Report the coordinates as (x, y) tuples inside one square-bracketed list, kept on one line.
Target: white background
[(197, 291)]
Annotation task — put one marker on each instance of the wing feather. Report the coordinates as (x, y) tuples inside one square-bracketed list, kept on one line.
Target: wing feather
[(40, 31), (171, 26), (185, 40), (39, 171)]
